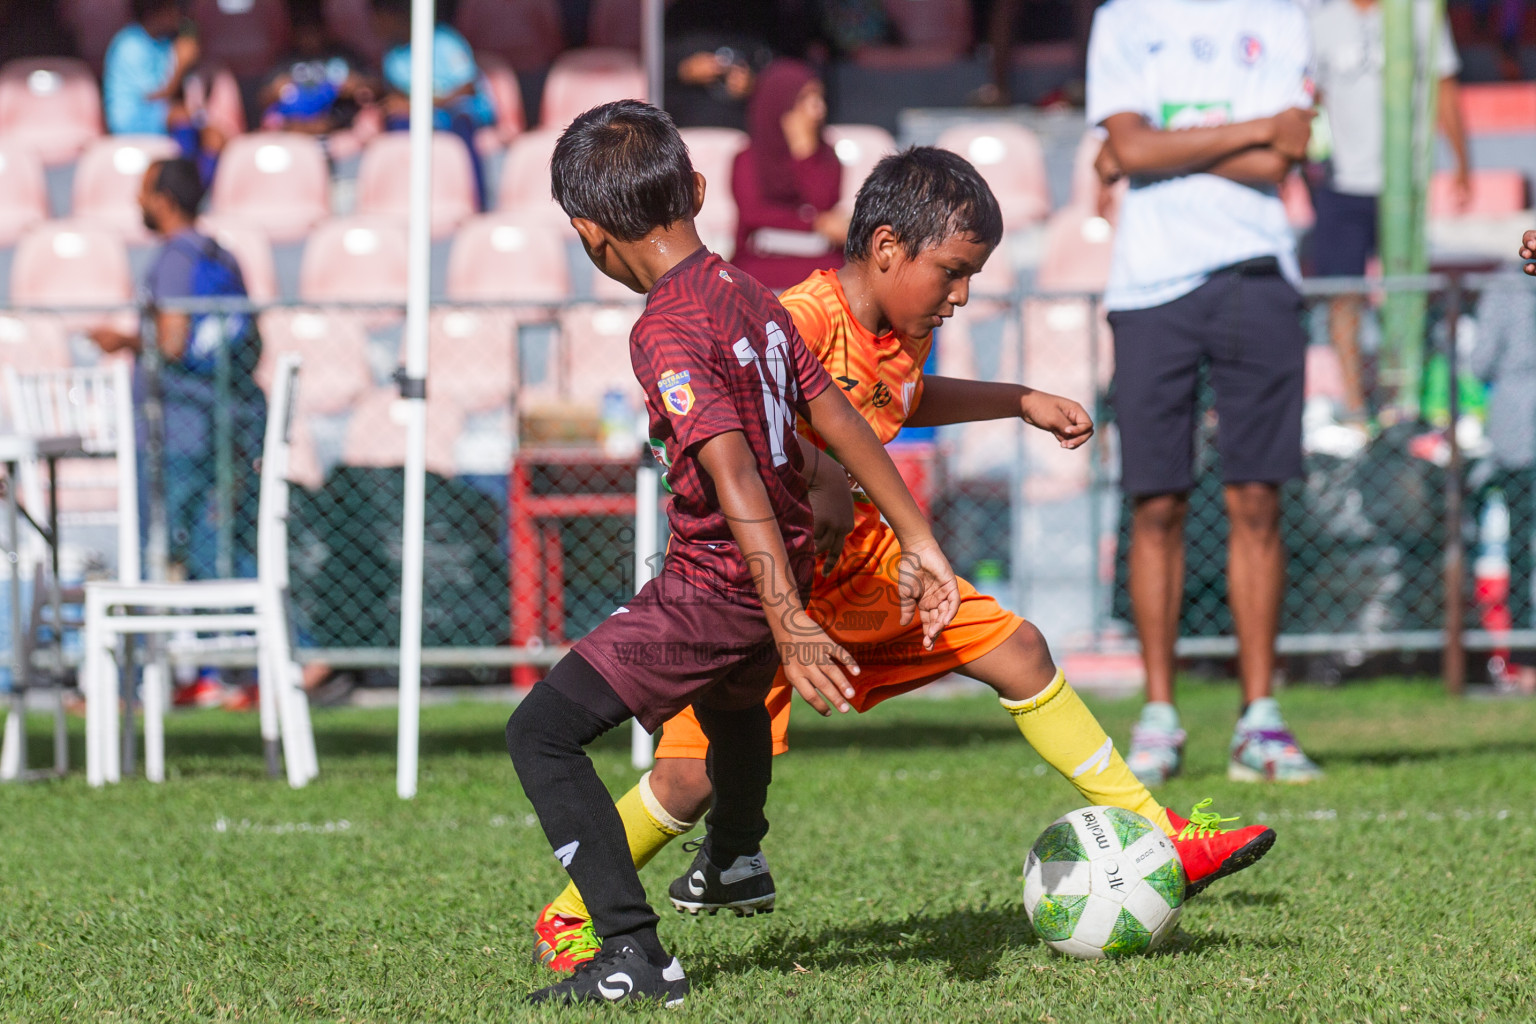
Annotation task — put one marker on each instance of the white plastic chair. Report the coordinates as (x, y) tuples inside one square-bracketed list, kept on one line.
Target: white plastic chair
[(115, 609)]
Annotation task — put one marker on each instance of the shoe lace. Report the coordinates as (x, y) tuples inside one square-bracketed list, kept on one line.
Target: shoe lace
[(694, 845), (579, 940), (1204, 823)]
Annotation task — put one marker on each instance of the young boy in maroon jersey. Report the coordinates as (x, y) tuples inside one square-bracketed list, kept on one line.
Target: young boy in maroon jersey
[(725, 374)]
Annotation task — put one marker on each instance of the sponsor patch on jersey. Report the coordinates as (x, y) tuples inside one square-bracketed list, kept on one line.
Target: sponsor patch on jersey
[(726, 277), (1250, 49), (1203, 47), (676, 392), (1196, 115)]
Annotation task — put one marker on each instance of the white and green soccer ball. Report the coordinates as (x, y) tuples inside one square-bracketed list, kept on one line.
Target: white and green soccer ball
[(1103, 881)]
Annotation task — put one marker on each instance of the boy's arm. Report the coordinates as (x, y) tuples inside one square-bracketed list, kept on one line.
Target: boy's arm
[(831, 499), (927, 582), (1141, 149), (805, 649), (951, 400)]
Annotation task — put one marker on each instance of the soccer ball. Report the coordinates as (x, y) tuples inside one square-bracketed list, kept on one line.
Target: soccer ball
[(1103, 881)]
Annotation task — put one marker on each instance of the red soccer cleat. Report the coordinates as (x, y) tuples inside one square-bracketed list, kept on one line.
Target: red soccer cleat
[(565, 943), (1209, 851)]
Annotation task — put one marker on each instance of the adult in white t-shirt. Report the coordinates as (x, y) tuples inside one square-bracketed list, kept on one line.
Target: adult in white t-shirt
[(1348, 57), (1206, 109)]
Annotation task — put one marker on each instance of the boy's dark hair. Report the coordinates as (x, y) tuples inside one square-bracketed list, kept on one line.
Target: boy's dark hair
[(179, 181), (623, 166), (402, 7), (926, 195), (142, 9)]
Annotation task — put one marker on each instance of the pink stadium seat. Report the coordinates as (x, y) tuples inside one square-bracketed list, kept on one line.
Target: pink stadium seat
[(1010, 158), (473, 358), (23, 192), (251, 249), (109, 176), (580, 79), (376, 432), (932, 33), (524, 185), (217, 99), (507, 96), (93, 24), (350, 22), (1495, 193), (384, 180), (1068, 350), (504, 257), (355, 259), (34, 341), (713, 151), (859, 147), (1077, 252), (277, 181), (595, 349), (1298, 202), (527, 34), (65, 263), (614, 23), (334, 347), (1490, 108), (247, 36), (50, 105), (304, 466)]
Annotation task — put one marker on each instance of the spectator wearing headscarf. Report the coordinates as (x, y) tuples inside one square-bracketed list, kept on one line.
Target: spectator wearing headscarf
[(787, 181)]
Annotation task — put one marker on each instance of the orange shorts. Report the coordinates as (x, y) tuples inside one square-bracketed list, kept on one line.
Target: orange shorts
[(859, 608)]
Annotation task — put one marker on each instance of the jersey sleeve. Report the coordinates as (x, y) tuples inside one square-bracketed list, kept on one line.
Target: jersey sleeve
[(684, 379), (1291, 69), (1117, 70)]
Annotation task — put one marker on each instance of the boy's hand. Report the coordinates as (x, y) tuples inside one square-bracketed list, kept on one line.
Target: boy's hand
[(1528, 251), (1064, 418), (1107, 166), (926, 585), (1292, 130), (808, 657)]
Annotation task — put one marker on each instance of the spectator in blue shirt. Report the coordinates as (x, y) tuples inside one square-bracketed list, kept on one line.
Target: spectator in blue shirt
[(460, 96)]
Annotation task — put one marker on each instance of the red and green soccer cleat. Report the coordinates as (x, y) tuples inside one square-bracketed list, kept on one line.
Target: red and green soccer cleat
[(564, 943), (1209, 851)]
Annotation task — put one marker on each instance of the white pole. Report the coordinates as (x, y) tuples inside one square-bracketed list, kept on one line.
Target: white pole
[(642, 750), (413, 391), (651, 43)]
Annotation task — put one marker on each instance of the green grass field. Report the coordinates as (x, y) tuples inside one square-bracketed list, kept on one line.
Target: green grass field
[(1401, 888)]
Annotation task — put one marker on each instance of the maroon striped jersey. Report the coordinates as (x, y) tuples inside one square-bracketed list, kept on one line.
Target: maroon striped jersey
[(715, 352)]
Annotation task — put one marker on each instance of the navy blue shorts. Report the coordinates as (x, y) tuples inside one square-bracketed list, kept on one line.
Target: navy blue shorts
[(1245, 322), (1344, 236)]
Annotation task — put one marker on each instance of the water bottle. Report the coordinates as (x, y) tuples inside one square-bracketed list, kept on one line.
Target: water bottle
[(618, 425)]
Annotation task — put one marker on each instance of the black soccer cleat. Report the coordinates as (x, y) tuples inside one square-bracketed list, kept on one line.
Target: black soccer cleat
[(745, 887), (618, 973)]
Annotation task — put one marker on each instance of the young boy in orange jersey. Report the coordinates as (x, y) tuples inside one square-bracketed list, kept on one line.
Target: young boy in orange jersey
[(923, 224)]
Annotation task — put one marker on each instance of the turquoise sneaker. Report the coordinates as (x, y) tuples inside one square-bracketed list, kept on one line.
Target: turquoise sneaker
[(1157, 745), (1263, 749)]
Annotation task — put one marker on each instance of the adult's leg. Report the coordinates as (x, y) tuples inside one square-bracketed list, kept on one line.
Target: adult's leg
[(1255, 581), (1157, 585)]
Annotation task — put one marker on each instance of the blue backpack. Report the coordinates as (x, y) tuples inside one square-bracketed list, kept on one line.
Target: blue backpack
[(215, 274)]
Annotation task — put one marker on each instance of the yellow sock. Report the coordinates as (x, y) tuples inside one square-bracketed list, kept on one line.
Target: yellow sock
[(647, 826), (1062, 730)]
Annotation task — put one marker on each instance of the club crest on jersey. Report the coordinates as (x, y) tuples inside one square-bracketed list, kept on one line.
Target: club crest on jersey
[(676, 392), (1250, 49), (1203, 48)]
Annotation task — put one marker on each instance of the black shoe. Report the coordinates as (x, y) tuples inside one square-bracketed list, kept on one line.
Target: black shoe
[(618, 973), (745, 887)]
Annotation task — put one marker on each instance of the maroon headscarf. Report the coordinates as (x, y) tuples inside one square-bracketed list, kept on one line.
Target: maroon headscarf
[(778, 87)]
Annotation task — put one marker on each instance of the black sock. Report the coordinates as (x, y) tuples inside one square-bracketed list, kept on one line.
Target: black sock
[(740, 766)]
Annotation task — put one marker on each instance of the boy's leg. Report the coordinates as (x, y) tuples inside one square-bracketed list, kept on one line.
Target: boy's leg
[(546, 737)]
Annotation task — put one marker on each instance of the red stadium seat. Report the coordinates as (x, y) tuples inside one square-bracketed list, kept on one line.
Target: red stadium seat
[(109, 176), (713, 151), (23, 192), (351, 23), (93, 24), (355, 259), (502, 257), (582, 79), (246, 36), (1495, 193), (527, 34), (50, 105), (507, 97), (251, 249), (858, 147), (614, 23), (278, 181), (376, 432), (334, 347), (384, 180), (1491, 108), (932, 33), (595, 348), (473, 356), (1009, 156), (524, 185)]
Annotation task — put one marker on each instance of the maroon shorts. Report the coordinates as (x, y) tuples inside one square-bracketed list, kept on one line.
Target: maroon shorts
[(675, 643)]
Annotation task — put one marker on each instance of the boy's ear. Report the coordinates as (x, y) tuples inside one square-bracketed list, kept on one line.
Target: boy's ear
[(592, 236), (884, 247), (698, 192)]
